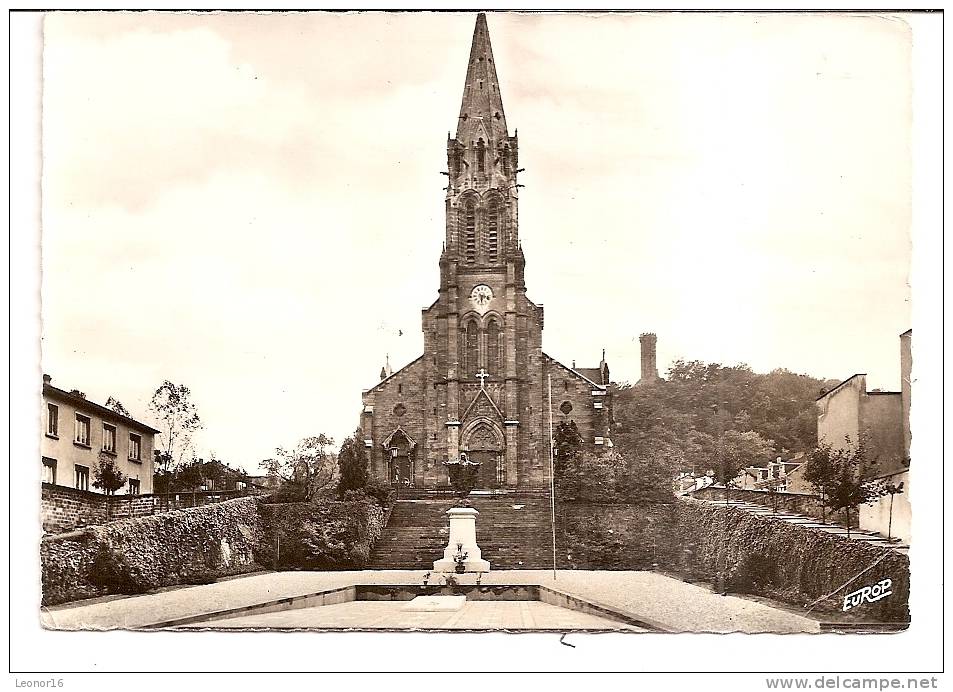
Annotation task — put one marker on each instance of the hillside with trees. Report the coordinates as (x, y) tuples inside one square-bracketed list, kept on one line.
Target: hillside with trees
[(681, 418)]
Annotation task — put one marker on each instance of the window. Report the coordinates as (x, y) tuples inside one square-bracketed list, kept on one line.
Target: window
[(472, 354), (133, 486), (481, 156), (82, 430), (49, 470), (82, 477), (52, 420), (135, 447), (492, 229), (469, 234), (493, 348), (109, 438)]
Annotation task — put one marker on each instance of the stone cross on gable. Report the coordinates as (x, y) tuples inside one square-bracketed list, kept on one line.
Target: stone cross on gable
[(483, 374)]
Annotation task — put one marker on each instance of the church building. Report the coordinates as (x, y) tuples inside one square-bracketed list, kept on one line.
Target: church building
[(481, 386)]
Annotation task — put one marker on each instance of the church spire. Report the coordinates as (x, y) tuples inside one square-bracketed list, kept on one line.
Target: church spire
[(481, 111)]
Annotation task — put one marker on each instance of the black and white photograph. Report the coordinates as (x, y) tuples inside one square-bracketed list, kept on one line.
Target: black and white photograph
[(292, 373)]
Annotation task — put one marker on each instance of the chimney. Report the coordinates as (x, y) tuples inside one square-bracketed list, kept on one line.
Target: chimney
[(47, 379), (76, 392), (649, 368)]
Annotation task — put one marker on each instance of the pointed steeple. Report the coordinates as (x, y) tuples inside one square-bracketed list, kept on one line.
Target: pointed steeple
[(481, 111)]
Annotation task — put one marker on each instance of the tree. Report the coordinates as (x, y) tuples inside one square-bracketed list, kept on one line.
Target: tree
[(178, 419), (114, 404), (197, 474), (819, 473), (567, 444), (107, 476), (306, 469), (352, 463), (734, 451), (890, 489), (848, 489)]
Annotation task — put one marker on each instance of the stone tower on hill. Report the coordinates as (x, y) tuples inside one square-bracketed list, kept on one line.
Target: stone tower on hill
[(649, 373), (480, 386)]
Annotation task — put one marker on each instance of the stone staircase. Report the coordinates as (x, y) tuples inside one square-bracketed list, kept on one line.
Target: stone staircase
[(513, 531)]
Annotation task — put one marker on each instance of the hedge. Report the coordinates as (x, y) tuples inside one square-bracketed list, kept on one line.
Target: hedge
[(320, 535), (728, 547), (788, 562), (137, 555)]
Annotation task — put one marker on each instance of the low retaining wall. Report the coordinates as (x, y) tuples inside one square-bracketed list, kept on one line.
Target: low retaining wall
[(132, 556)]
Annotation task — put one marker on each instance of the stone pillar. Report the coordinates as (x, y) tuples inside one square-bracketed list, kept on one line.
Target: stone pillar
[(453, 438), (462, 533), (512, 451)]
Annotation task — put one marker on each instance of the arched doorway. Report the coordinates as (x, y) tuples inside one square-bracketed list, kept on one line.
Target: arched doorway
[(400, 451), (483, 442)]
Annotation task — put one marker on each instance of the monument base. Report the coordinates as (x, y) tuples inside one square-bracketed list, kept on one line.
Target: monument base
[(462, 542)]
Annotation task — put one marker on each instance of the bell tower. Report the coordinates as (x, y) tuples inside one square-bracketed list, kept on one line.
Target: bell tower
[(482, 166)]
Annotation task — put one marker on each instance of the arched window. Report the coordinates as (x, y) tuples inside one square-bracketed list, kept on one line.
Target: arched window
[(469, 230), (493, 229), (471, 359), (493, 348)]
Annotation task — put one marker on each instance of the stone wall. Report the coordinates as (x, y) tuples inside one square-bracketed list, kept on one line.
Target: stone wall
[(64, 509), (136, 555)]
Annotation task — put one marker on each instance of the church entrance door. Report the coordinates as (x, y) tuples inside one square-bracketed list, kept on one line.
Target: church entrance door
[(489, 474), (401, 471), (483, 442)]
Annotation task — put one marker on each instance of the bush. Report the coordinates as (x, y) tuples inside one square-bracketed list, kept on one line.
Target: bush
[(321, 535), (382, 492), (611, 478), (287, 492)]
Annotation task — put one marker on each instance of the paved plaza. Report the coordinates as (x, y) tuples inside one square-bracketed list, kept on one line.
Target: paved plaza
[(670, 603)]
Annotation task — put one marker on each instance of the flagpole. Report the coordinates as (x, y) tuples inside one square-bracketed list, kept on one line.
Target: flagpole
[(552, 474)]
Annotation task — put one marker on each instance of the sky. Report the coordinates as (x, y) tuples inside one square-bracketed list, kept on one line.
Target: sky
[(251, 204)]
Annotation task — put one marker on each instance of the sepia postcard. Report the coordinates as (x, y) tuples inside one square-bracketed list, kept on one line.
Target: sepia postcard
[(296, 374)]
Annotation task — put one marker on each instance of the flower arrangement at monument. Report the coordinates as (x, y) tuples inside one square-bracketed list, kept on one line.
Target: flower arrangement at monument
[(460, 558), (463, 477)]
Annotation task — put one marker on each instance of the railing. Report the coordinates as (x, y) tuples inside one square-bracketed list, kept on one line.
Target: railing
[(164, 502)]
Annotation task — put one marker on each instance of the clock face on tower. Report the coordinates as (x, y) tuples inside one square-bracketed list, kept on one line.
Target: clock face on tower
[(480, 297)]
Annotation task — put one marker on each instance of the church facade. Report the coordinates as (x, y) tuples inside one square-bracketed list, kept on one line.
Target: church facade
[(482, 385)]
